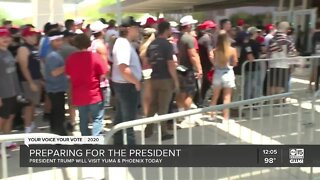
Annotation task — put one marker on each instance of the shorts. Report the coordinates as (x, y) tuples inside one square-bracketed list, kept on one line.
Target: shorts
[(34, 97), (9, 107), (279, 77), (187, 83), (224, 79)]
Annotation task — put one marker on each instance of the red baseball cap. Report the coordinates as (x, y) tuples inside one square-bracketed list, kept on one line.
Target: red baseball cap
[(269, 27), (150, 21), (4, 32), (29, 31), (241, 22), (207, 25)]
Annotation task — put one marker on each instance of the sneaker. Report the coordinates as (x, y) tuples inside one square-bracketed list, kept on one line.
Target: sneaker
[(12, 146), (193, 106), (30, 128)]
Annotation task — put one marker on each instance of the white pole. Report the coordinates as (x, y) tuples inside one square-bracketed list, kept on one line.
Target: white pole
[(304, 4), (292, 5), (118, 14), (280, 8)]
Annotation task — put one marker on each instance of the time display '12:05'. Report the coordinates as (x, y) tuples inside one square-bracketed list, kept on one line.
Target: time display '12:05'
[(270, 152)]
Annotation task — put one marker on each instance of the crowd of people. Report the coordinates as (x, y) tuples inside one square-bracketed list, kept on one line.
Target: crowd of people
[(149, 65)]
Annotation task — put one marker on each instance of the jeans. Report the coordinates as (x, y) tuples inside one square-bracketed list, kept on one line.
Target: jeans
[(96, 112), (254, 84), (57, 117), (126, 110)]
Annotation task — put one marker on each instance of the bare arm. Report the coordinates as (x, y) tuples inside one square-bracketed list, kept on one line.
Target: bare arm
[(235, 57), (195, 60), (173, 72), (58, 71)]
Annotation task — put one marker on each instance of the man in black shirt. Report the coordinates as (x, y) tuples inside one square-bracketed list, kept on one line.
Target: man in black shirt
[(164, 79), (206, 45), (250, 50)]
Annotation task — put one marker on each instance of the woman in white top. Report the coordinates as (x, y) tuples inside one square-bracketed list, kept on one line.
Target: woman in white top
[(225, 57)]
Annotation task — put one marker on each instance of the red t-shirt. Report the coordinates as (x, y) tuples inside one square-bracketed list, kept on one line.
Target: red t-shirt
[(85, 69)]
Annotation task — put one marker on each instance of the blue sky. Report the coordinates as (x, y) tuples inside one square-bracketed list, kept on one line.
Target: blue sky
[(26, 8)]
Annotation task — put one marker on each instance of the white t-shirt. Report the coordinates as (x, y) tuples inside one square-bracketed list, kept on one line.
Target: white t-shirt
[(124, 53), (267, 40)]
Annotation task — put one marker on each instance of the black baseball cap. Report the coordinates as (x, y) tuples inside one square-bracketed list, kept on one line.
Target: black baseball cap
[(129, 21)]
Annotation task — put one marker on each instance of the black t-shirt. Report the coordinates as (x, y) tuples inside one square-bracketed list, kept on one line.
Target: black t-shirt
[(159, 52), (250, 46), (205, 45)]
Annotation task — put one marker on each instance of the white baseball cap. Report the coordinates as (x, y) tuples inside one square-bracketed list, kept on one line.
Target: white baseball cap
[(188, 20), (97, 26), (78, 21)]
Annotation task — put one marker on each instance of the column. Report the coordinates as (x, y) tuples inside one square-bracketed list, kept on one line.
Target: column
[(304, 4), (44, 11), (280, 7), (56, 13), (118, 13), (292, 5)]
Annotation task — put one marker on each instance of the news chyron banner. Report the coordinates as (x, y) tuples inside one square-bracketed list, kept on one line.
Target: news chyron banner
[(90, 152)]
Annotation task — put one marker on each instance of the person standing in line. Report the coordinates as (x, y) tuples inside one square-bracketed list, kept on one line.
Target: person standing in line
[(253, 74), (98, 45), (148, 36), (164, 78), (280, 47), (44, 50), (65, 51), (85, 70), (9, 84), (56, 84), (189, 58), (126, 77), (225, 58), (206, 46), (29, 64)]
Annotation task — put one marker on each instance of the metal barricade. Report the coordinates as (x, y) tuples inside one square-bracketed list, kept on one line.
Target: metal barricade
[(16, 138), (263, 77), (263, 122)]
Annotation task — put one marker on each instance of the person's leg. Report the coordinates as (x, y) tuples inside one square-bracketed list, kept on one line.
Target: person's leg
[(205, 86), (146, 96), (248, 85), (128, 98), (227, 93), (52, 116), (118, 138), (61, 130), (152, 110), (164, 98), (97, 113), (84, 119), (215, 97), (28, 117)]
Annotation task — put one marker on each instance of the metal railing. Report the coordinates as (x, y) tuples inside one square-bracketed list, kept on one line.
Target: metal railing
[(265, 105), (251, 80), (16, 138)]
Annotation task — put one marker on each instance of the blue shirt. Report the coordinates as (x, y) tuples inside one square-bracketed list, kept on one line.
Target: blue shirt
[(54, 84), (45, 47)]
